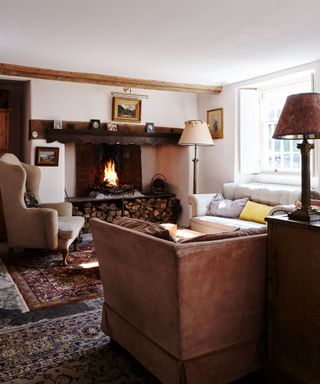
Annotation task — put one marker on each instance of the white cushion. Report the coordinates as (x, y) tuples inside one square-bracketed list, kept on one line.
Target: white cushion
[(215, 224)]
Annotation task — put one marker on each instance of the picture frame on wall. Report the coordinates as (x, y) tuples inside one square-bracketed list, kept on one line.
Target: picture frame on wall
[(215, 122), (47, 156), (126, 109)]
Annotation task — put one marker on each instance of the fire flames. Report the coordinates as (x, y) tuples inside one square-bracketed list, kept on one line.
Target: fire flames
[(110, 174)]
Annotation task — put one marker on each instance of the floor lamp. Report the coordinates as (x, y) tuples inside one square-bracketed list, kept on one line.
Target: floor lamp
[(300, 119), (196, 132)]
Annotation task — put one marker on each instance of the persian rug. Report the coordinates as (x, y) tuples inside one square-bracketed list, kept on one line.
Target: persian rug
[(44, 282), (10, 297), (66, 350)]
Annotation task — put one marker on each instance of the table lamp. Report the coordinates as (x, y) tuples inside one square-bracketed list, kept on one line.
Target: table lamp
[(196, 132), (300, 119)]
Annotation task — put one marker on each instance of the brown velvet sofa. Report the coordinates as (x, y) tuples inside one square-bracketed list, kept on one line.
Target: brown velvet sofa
[(189, 312)]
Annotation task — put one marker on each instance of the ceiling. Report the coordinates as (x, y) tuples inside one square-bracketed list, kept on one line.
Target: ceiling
[(191, 41)]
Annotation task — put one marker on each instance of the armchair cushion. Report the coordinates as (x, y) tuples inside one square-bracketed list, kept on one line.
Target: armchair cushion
[(69, 226), (63, 208)]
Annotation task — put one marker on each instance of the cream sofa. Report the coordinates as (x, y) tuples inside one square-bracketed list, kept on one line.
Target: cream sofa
[(281, 197)]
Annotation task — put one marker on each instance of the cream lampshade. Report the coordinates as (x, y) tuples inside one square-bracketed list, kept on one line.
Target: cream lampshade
[(196, 132)]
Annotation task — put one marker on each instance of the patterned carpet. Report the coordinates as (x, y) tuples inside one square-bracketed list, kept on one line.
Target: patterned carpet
[(10, 297), (68, 349), (63, 344), (44, 282)]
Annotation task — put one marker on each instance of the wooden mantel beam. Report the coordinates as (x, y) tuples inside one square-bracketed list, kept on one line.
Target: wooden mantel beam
[(125, 82)]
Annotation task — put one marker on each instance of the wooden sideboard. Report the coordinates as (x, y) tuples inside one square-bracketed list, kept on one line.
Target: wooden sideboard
[(294, 301)]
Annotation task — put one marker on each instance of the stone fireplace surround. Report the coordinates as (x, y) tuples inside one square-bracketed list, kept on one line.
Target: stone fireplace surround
[(90, 160), (159, 154)]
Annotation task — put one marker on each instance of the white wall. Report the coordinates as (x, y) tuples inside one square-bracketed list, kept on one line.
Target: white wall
[(220, 164), (81, 102), (175, 164), (216, 164)]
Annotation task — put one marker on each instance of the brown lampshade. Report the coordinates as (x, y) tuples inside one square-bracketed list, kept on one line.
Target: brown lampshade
[(299, 118), (196, 132)]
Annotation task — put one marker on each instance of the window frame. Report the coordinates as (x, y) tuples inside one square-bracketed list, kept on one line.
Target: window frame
[(257, 164)]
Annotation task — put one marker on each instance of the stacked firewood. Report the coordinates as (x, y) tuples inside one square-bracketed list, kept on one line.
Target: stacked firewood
[(154, 209)]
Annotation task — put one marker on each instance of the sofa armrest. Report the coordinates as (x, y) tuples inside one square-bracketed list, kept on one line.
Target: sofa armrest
[(199, 203), (281, 209), (63, 208)]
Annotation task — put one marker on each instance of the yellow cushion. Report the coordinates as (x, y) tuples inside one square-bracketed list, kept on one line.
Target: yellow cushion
[(255, 212)]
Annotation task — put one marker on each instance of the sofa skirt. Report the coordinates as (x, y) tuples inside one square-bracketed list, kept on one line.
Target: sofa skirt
[(214, 367)]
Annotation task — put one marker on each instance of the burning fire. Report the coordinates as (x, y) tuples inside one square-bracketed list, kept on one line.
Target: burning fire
[(110, 175)]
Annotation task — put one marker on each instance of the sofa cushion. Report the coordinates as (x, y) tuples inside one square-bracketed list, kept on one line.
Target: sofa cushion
[(227, 235), (214, 224), (255, 212), (143, 226), (227, 208)]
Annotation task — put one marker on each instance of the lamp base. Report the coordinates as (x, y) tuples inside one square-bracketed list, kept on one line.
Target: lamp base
[(304, 214)]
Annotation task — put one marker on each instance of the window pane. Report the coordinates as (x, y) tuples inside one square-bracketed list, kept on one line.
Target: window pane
[(281, 155), (296, 160), (294, 145), (286, 145)]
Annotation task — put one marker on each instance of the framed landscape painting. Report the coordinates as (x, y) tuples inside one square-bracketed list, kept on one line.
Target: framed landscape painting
[(47, 156), (215, 122), (126, 109)]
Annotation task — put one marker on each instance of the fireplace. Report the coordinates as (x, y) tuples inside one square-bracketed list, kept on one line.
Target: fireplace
[(108, 169), (118, 194)]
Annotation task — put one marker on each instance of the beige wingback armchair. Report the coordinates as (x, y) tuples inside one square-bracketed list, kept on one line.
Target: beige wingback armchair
[(47, 226)]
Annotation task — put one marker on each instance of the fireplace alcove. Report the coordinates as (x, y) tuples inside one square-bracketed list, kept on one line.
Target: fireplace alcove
[(91, 160), (124, 146)]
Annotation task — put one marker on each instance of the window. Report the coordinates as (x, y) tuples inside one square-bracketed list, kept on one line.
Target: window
[(260, 108)]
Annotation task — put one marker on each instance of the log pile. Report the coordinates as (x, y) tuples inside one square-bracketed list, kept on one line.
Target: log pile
[(154, 209)]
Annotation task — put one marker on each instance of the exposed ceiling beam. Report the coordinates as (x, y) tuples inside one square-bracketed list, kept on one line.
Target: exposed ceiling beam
[(125, 82)]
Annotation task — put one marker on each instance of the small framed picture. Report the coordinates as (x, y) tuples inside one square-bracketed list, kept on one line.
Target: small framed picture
[(215, 122), (149, 127), (57, 124), (112, 127), (126, 109), (47, 156), (94, 124)]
